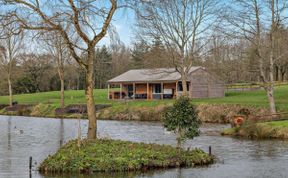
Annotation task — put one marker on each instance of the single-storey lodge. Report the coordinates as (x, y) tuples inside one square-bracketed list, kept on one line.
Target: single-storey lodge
[(165, 83)]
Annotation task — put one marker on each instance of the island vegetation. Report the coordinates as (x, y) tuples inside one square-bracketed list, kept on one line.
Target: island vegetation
[(102, 155)]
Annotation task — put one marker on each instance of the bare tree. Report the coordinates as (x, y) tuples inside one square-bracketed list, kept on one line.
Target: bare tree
[(56, 47), (182, 26), (281, 63), (253, 24), (86, 20), (227, 59), (10, 46)]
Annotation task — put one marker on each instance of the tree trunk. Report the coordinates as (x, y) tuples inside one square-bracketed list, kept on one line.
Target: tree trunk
[(92, 126), (61, 77), (184, 86), (62, 92), (78, 82), (184, 83), (276, 73), (179, 139), (270, 95), (270, 88), (60, 64), (282, 76), (279, 74), (268, 84), (10, 89)]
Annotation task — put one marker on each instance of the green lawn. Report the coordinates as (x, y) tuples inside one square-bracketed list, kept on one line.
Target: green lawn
[(278, 124), (74, 97), (254, 98), (71, 97)]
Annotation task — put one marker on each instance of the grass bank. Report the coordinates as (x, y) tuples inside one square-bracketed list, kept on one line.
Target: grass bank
[(103, 155), (250, 129), (149, 110), (250, 98)]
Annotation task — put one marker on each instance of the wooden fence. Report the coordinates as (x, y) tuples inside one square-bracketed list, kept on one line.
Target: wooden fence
[(250, 86), (271, 117), (280, 116)]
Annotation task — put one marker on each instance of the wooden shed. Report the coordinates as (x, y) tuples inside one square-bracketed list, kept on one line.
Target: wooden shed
[(165, 83)]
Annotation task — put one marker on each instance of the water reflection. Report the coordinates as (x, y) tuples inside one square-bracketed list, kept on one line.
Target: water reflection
[(43, 136), (9, 133), (146, 174), (61, 132)]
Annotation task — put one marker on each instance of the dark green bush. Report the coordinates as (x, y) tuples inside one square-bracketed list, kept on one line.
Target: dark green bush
[(182, 119)]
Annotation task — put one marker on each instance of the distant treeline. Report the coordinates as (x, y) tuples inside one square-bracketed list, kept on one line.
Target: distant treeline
[(38, 72)]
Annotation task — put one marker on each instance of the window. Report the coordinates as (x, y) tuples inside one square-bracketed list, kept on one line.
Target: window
[(180, 88), (130, 90), (157, 88)]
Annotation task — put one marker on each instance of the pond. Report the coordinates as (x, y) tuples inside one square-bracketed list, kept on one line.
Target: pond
[(22, 137)]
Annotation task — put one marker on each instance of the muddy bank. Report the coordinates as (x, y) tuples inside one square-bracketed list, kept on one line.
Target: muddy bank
[(132, 113), (3, 106), (209, 113), (224, 113), (48, 110)]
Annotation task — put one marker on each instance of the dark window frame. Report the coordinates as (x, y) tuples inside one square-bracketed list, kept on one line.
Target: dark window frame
[(157, 89), (179, 87)]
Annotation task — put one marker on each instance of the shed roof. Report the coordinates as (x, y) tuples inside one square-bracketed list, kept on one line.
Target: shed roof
[(150, 75)]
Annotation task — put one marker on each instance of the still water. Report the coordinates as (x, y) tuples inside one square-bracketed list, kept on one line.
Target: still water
[(21, 137)]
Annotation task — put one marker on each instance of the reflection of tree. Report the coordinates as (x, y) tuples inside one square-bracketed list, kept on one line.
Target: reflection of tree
[(179, 173), (148, 173), (9, 133), (7, 153), (61, 132)]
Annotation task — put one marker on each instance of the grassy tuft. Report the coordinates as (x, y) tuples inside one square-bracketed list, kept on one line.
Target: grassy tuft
[(229, 131), (265, 130), (103, 155)]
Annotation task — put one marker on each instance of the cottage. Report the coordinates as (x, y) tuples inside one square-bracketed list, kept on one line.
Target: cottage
[(165, 83)]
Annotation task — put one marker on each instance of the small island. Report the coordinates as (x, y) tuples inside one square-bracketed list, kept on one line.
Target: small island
[(102, 155), (105, 155)]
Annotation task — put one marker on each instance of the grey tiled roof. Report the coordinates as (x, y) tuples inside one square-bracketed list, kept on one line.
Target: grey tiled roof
[(150, 75)]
